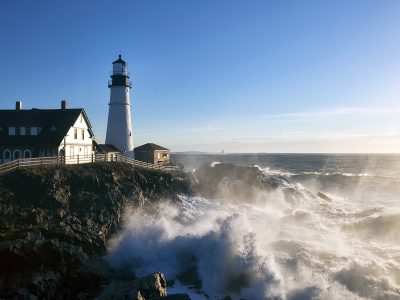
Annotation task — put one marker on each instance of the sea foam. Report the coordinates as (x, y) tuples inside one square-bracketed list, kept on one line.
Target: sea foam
[(269, 247)]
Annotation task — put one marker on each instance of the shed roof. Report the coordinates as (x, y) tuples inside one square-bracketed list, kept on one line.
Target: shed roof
[(60, 119), (149, 146), (109, 148)]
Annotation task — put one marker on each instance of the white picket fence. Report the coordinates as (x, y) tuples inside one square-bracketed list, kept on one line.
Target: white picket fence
[(63, 160)]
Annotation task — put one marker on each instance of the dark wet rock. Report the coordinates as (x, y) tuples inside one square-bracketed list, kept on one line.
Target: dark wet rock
[(208, 178), (238, 183), (55, 223), (247, 185), (174, 297), (144, 288), (170, 283), (324, 197)]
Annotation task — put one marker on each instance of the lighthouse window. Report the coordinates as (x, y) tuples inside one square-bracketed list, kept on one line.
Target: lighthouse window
[(17, 130), (27, 131), (75, 133)]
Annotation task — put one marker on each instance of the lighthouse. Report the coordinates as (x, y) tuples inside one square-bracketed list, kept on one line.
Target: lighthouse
[(119, 127)]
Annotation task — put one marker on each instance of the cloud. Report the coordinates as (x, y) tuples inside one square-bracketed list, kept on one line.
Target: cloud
[(336, 112), (334, 137), (296, 132), (345, 142), (205, 128), (197, 129)]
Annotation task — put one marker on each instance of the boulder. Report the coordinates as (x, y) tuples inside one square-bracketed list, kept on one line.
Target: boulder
[(324, 197), (143, 288), (174, 297)]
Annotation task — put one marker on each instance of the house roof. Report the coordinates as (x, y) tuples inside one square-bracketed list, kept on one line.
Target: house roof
[(149, 147), (109, 148), (60, 119)]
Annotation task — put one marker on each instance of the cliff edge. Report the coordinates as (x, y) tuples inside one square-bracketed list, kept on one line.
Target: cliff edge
[(55, 221)]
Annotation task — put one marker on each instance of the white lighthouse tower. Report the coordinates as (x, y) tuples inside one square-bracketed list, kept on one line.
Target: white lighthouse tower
[(119, 127)]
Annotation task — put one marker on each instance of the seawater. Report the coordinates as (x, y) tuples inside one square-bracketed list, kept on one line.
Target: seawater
[(271, 248)]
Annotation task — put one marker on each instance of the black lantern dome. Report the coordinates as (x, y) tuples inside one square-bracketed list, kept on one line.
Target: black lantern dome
[(119, 74)]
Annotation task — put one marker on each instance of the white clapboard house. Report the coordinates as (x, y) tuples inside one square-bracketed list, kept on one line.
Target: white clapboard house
[(28, 133)]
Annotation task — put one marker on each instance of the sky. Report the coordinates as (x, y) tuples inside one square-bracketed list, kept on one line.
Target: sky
[(243, 76)]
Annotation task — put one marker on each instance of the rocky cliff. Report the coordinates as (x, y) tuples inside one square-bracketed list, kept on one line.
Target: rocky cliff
[(55, 221)]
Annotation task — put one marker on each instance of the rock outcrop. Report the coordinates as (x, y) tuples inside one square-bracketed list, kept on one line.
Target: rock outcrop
[(148, 287), (174, 297), (55, 221), (247, 185)]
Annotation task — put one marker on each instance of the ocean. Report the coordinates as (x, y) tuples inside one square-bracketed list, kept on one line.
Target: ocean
[(272, 248)]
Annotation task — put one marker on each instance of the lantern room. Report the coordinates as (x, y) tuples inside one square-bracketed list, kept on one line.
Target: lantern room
[(120, 67), (119, 74)]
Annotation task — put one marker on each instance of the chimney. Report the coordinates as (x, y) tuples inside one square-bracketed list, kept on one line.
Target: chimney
[(18, 105), (63, 104)]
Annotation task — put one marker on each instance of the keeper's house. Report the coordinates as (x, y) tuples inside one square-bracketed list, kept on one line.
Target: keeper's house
[(152, 153), (44, 132)]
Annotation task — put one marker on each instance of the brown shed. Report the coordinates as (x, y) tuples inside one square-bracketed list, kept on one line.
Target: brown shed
[(152, 153)]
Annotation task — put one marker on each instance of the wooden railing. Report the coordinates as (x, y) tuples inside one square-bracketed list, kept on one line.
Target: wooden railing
[(62, 160)]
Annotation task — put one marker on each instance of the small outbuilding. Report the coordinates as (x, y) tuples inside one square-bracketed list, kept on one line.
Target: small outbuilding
[(109, 150), (152, 153)]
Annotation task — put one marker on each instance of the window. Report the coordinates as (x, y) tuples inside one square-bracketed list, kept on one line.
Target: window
[(75, 133), (27, 154), (17, 154), (7, 154), (81, 119), (83, 134), (72, 151), (158, 156), (27, 131), (17, 130)]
